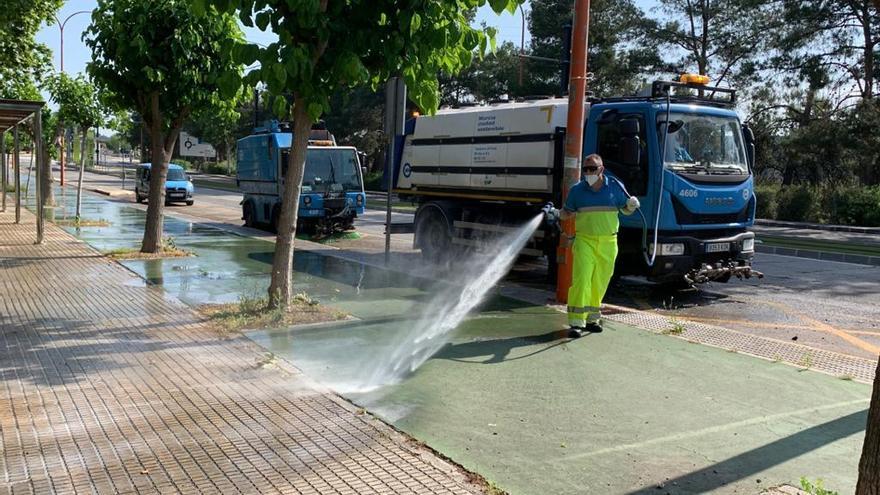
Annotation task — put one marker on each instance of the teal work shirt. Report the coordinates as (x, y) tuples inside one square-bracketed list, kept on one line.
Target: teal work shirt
[(596, 211)]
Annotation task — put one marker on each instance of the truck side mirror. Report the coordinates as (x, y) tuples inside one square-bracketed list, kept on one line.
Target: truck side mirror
[(631, 150), (363, 170), (630, 144), (749, 137), (629, 127)]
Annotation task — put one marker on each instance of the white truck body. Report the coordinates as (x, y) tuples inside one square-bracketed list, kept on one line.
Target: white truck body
[(504, 147)]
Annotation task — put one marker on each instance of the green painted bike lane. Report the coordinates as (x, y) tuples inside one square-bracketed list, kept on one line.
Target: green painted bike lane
[(625, 411), (513, 399)]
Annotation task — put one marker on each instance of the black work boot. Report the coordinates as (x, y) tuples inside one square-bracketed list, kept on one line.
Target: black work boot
[(575, 332), (594, 327)]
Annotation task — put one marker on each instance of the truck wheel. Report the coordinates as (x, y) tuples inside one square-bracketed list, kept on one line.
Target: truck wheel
[(247, 211), (434, 238)]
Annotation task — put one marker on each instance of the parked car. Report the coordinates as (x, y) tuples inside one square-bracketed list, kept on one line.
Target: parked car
[(178, 186)]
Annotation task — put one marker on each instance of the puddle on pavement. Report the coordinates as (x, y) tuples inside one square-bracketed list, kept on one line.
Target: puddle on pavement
[(386, 303)]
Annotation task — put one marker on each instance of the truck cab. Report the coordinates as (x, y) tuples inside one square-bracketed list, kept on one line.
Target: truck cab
[(332, 192), (699, 197)]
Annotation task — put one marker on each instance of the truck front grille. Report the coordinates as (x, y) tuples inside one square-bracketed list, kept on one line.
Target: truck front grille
[(685, 217)]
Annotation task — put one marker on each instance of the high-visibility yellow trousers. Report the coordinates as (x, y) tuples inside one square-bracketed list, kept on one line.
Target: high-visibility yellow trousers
[(592, 270)]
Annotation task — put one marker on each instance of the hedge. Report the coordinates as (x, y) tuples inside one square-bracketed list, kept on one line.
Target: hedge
[(839, 205)]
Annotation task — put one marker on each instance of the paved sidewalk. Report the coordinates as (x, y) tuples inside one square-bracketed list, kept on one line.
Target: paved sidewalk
[(111, 386)]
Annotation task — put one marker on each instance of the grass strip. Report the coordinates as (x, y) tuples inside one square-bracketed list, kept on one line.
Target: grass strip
[(821, 246), (254, 313), (81, 222)]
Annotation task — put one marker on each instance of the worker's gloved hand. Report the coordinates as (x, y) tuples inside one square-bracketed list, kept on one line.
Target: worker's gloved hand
[(551, 214), (632, 204)]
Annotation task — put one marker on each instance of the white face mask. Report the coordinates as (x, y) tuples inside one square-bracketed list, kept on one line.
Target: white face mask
[(592, 179)]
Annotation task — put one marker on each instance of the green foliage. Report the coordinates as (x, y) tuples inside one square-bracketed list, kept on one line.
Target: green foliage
[(485, 79), (721, 39), (23, 61), (834, 39), (816, 488), (798, 204), (854, 206), (373, 181), (834, 204), (76, 98), (218, 122), (767, 197), (620, 54), (141, 49), (328, 45)]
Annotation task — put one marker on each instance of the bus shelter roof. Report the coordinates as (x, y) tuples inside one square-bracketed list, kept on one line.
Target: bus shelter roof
[(14, 112)]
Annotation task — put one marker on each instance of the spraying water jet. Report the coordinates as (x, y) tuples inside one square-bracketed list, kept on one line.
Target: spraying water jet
[(474, 278)]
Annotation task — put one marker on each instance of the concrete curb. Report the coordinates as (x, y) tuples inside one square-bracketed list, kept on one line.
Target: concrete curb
[(819, 226), (113, 193), (858, 259)]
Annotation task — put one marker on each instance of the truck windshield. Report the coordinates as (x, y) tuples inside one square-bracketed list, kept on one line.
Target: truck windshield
[(325, 167), (703, 144)]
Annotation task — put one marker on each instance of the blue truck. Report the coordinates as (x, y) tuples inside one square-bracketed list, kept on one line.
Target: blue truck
[(332, 191), (680, 148)]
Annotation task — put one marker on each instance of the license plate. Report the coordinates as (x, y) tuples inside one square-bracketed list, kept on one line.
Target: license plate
[(176, 195), (717, 247)]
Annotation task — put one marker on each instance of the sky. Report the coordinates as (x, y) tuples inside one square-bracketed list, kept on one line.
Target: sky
[(76, 54)]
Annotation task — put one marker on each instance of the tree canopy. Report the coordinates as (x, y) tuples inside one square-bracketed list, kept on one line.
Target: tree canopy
[(23, 61), (76, 98)]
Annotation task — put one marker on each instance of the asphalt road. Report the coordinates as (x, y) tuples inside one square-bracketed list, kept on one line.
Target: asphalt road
[(823, 304)]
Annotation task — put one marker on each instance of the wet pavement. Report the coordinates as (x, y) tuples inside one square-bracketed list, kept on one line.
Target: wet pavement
[(226, 265), (510, 397), (822, 304)]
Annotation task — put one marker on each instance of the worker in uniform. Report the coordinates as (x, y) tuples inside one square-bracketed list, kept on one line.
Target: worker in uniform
[(594, 202)]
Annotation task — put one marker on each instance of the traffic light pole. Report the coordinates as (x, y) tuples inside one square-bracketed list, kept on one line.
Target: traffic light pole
[(574, 137)]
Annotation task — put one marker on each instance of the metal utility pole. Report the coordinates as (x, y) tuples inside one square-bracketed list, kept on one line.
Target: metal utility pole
[(61, 25), (16, 171), (395, 108), (574, 137), (3, 163), (522, 47), (38, 150)]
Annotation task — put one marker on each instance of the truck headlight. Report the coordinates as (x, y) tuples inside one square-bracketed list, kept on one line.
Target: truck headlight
[(307, 200), (360, 200), (673, 249), (749, 245)]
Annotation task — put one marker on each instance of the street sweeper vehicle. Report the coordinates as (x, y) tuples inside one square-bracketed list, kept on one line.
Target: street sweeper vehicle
[(479, 171), (332, 193)]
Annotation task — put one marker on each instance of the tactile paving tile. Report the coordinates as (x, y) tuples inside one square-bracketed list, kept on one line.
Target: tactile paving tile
[(832, 363)]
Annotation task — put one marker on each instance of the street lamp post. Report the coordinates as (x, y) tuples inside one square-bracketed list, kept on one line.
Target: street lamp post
[(522, 45), (61, 25)]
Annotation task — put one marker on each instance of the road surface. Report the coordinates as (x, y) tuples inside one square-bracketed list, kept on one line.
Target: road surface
[(822, 304)]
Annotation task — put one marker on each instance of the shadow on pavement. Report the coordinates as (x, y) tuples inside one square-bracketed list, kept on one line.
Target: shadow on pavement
[(499, 349), (764, 457)]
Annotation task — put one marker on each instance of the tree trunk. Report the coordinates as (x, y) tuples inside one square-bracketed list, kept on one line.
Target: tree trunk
[(152, 240), (282, 264), (46, 179), (868, 53), (82, 148), (79, 181), (869, 467)]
